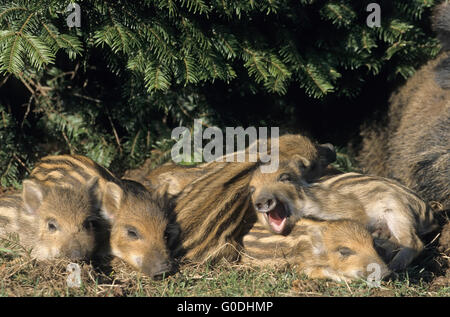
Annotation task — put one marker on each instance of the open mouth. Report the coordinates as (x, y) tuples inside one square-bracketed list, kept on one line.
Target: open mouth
[(277, 217)]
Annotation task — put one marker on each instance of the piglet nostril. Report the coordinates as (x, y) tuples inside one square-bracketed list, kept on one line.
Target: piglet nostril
[(265, 204), (164, 269)]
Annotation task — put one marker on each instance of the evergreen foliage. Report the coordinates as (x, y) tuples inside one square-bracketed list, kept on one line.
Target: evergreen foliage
[(115, 87)]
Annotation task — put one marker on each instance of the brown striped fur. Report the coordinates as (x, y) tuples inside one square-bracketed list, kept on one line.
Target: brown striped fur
[(139, 224), (340, 250), (54, 222), (212, 200), (213, 213), (275, 195), (171, 178), (392, 212)]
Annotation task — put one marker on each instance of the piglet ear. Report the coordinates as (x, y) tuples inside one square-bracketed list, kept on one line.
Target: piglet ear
[(111, 200), (94, 191), (167, 182), (32, 195), (316, 235), (327, 153), (300, 163)]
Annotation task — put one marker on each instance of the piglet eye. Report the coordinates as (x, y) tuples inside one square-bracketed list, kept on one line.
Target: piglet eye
[(345, 252), (284, 178), (252, 189), (89, 224), (52, 226), (132, 233)]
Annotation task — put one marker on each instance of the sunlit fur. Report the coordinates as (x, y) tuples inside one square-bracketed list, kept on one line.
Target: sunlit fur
[(340, 250), (73, 216), (123, 205), (212, 206), (285, 193), (146, 249), (394, 214)]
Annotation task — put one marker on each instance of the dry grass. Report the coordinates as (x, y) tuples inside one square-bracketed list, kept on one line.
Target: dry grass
[(22, 276)]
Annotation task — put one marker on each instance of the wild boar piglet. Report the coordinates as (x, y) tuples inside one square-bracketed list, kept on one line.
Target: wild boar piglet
[(340, 250), (54, 221)]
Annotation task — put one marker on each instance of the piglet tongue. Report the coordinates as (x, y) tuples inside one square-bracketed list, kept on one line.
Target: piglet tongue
[(277, 218)]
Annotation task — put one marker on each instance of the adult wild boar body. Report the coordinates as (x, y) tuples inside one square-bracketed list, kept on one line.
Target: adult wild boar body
[(53, 222), (414, 146), (340, 250)]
